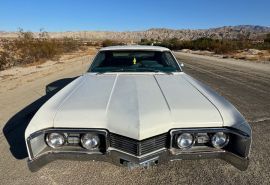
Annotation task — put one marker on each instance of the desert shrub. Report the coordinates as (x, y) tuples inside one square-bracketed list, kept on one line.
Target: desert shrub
[(69, 44), (4, 59), (145, 41), (215, 45), (27, 49), (109, 42), (267, 38), (8, 58)]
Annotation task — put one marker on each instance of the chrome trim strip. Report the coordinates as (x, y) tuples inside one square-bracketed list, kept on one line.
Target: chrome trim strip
[(115, 157), (139, 157)]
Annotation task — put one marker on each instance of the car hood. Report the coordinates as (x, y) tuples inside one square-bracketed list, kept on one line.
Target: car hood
[(135, 105)]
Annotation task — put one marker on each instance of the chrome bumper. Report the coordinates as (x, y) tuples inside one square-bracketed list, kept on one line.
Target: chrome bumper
[(120, 158)]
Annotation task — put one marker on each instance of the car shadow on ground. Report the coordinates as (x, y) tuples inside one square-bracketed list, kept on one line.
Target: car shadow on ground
[(15, 127)]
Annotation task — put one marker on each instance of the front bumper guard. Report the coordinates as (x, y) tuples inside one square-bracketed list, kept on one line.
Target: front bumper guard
[(120, 158)]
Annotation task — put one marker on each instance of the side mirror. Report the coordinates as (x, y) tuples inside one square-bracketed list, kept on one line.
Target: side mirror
[(182, 65)]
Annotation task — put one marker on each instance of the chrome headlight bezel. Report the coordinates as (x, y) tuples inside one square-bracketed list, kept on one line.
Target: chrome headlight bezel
[(185, 136), (92, 138), (49, 139), (225, 136)]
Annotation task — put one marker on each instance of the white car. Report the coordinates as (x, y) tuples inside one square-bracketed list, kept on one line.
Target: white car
[(135, 107)]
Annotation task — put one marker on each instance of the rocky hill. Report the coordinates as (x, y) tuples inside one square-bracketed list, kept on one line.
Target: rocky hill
[(227, 32)]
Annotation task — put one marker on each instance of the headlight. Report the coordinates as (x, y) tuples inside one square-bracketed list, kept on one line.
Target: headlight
[(90, 141), (55, 140), (220, 140), (185, 140)]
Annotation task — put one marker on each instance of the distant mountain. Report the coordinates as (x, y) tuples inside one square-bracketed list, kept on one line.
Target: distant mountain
[(227, 32)]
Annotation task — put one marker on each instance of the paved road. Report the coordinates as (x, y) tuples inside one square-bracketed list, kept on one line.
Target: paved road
[(246, 85)]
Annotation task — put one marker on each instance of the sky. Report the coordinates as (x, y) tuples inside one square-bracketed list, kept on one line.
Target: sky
[(130, 15)]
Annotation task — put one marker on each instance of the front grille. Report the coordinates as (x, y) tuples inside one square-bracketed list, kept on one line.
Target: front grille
[(138, 148)]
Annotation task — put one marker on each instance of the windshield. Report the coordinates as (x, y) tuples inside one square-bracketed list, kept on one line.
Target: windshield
[(134, 61)]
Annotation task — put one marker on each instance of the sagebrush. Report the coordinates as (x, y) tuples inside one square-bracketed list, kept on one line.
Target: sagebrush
[(215, 45), (28, 49)]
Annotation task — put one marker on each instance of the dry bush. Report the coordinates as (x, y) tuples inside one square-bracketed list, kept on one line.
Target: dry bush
[(217, 46), (27, 49), (267, 38), (6, 59), (108, 42)]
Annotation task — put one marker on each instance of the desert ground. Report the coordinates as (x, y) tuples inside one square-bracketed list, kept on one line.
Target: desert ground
[(245, 84)]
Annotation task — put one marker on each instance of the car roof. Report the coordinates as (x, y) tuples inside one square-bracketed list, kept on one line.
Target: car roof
[(134, 47)]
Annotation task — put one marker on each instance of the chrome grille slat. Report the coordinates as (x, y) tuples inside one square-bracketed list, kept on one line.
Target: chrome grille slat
[(136, 147)]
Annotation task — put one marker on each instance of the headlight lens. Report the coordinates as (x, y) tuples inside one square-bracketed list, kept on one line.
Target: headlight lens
[(55, 140), (220, 140), (90, 141), (185, 140)]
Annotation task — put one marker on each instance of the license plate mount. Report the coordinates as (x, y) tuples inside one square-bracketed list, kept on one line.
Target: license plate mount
[(145, 164)]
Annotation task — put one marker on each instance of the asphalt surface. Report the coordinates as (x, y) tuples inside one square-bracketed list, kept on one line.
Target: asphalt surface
[(245, 84)]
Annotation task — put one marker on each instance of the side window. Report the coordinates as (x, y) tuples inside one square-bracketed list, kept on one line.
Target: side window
[(98, 60), (170, 60)]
